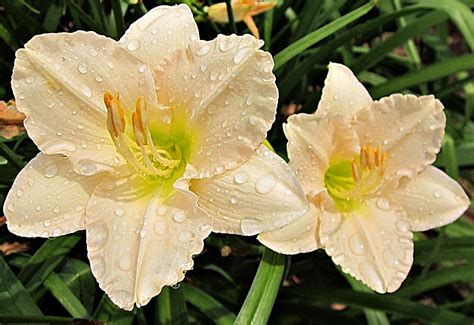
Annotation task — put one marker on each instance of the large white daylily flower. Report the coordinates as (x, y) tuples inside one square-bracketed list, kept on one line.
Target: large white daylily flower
[(149, 144), (365, 168)]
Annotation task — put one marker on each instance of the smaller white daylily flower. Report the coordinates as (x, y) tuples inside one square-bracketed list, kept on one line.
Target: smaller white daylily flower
[(365, 168), (148, 144), (243, 10)]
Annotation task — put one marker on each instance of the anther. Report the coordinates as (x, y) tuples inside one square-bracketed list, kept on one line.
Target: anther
[(355, 171)]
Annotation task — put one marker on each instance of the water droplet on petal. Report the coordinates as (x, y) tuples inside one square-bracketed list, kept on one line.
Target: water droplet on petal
[(265, 184), (56, 232), (241, 55), (240, 178), (233, 200), (403, 226), (179, 216), (47, 223), (357, 244), (51, 170), (160, 227), (142, 68), (83, 68), (57, 209), (133, 45), (97, 234), (383, 204), (202, 50), (185, 236), (30, 80), (250, 227), (119, 212), (86, 90), (20, 193), (437, 194)]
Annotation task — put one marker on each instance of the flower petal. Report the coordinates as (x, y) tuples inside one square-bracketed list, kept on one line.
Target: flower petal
[(227, 90), (373, 244), (59, 81), (342, 92), (432, 199), (160, 32), (408, 128), (313, 142), (48, 198), (138, 242), (261, 195), (300, 236)]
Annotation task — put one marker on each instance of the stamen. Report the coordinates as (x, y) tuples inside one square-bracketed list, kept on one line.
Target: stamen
[(355, 171)]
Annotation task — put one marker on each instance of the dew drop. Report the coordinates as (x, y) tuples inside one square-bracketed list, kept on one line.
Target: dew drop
[(202, 50), (240, 178), (142, 68), (97, 236), (133, 45), (93, 52), (11, 207), (20, 193), (51, 170), (265, 184), (83, 68), (30, 80), (86, 90), (383, 204), (179, 216), (56, 232), (233, 200), (403, 226), (250, 227), (185, 236), (56, 209), (47, 223), (357, 244), (119, 212), (241, 55), (160, 227), (437, 194)]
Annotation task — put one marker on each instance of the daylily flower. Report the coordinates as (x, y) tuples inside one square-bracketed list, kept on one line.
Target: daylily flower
[(243, 10), (148, 144), (365, 168)]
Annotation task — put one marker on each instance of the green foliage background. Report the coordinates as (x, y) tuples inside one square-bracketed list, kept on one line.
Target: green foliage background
[(415, 46)]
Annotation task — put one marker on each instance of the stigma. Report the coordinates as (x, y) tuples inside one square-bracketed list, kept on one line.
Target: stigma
[(136, 143)]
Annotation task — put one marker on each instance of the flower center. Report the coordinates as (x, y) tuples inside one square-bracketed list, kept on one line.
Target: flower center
[(137, 144), (349, 182)]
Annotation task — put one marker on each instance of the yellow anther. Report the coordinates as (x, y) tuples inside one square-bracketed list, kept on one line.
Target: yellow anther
[(355, 171), (138, 130), (142, 114), (117, 114)]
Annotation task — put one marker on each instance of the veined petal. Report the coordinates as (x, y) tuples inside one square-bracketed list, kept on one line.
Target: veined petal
[(300, 236), (261, 195), (227, 90), (59, 81), (48, 198), (160, 32), (342, 93), (138, 242), (313, 142), (373, 244), (408, 128), (432, 199)]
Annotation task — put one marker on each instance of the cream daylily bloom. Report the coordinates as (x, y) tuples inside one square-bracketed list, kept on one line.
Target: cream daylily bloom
[(148, 144), (243, 10), (365, 168)]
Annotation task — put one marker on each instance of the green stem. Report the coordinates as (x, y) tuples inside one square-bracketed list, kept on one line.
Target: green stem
[(230, 15), (118, 16), (262, 294), (11, 155), (171, 307)]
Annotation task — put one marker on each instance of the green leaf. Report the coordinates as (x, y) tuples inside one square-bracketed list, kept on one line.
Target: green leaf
[(460, 13), (373, 317), (65, 296), (432, 72), (450, 249), (171, 307), (387, 303), (262, 294), (321, 33), (208, 305), (14, 299), (46, 259), (377, 53), (436, 279)]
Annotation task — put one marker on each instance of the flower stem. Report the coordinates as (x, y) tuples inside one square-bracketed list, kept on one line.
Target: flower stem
[(230, 15), (262, 294)]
